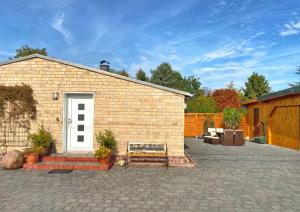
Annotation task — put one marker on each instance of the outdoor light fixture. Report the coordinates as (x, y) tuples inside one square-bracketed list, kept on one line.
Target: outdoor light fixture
[(55, 95)]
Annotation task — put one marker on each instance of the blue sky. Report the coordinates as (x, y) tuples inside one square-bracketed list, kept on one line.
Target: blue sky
[(217, 40)]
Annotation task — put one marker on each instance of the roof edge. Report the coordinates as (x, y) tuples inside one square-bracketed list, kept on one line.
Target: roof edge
[(281, 93), (186, 94), (250, 101)]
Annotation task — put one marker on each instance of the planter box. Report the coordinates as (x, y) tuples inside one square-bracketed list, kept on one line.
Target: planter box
[(260, 140)]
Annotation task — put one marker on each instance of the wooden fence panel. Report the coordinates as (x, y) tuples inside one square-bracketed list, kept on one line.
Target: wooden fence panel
[(194, 123)]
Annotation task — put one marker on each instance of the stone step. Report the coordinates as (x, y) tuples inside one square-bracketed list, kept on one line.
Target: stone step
[(147, 159), (73, 158), (96, 166), (147, 164)]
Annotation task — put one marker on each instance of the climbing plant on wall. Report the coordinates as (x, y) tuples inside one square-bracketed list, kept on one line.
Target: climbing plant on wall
[(17, 110)]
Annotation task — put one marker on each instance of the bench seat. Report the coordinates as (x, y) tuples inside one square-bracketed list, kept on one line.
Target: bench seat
[(147, 154)]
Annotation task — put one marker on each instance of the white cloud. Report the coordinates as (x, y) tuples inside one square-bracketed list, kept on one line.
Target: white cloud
[(5, 53), (246, 47), (292, 28), (57, 24), (219, 53)]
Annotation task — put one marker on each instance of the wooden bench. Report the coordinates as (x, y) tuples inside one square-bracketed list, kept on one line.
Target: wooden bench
[(147, 154)]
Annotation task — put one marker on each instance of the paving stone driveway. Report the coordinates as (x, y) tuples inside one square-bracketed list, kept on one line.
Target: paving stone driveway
[(249, 178)]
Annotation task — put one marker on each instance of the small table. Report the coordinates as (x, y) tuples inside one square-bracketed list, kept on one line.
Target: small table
[(220, 134)]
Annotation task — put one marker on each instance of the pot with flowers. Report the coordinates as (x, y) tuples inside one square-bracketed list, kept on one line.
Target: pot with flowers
[(107, 146), (103, 155), (32, 154)]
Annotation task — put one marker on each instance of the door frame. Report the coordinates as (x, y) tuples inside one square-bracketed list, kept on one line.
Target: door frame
[(65, 121)]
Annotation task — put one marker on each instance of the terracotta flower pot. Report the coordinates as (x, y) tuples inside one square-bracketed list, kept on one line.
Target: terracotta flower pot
[(105, 160), (32, 158)]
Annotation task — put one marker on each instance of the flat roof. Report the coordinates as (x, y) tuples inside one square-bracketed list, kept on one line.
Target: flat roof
[(186, 94)]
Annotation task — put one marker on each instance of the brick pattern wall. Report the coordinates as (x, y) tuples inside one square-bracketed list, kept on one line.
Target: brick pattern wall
[(134, 112)]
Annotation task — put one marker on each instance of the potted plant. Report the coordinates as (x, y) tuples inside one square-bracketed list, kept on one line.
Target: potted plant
[(231, 118), (107, 146), (41, 139), (103, 155), (32, 154), (260, 138)]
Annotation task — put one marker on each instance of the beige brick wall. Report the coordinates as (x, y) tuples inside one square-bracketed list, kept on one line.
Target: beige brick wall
[(134, 112)]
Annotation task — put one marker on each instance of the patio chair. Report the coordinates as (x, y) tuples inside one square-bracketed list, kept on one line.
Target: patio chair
[(239, 138), (212, 138), (206, 137), (227, 139)]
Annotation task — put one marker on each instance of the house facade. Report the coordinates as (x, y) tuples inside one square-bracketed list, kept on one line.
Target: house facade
[(75, 102), (280, 114)]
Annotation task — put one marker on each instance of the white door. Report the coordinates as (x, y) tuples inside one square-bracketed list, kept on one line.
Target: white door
[(80, 122)]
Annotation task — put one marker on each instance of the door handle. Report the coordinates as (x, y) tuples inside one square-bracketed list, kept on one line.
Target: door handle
[(69, 121)]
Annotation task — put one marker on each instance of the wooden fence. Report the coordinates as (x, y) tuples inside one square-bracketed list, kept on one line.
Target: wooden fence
[(194, 123)]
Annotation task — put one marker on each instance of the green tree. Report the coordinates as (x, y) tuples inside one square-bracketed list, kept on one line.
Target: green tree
[(164, 75), (141, 75), (240, 91), (256, 86), (297, 83), (231, 86), (201, 104), (120, 72), (124, 73), (192, 85), (26, 50)]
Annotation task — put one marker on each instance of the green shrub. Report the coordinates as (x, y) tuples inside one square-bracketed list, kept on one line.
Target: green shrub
[(208, 123), (37, 150), (232, 117), (201, 104), (102, 152), (107, 140), (42, 138)]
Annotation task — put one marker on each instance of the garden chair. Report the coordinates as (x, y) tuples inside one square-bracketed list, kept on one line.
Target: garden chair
[(212, 138)]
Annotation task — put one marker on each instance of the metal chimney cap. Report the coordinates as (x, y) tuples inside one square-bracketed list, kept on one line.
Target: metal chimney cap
[(104, 61)]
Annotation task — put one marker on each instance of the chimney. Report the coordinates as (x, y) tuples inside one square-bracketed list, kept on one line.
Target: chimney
[(104, 65)]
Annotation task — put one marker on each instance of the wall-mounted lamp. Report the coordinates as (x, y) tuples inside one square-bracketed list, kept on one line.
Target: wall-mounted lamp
[(55, 95)]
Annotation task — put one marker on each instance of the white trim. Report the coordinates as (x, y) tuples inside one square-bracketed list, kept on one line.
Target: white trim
[(65, 116)]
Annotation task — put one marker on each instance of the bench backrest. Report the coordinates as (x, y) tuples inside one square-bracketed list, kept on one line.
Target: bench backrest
[(146, 148)]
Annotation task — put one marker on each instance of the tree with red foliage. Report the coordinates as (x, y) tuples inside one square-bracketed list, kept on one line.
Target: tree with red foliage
[(226, 98)]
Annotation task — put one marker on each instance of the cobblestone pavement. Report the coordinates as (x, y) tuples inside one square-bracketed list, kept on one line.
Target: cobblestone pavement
[(249, 178)]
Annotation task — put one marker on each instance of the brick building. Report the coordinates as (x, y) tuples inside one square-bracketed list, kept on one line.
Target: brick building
[(75, 102)]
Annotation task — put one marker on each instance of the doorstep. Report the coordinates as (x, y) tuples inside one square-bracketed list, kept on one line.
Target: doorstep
[(74, 162)]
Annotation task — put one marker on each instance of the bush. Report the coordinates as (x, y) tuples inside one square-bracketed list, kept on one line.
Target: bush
[(106, 140), (201, 104), (42, 138), (226, 98), (232, 117), (37, 150), (208, 123), (102, 152)]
